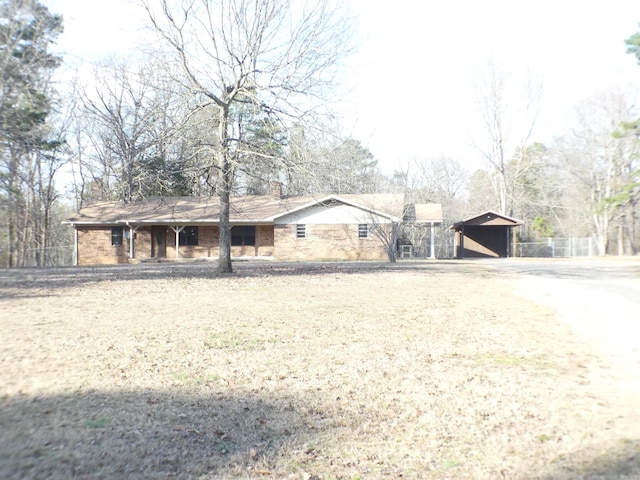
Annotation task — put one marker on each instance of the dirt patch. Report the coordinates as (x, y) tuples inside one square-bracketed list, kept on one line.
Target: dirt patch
[(415, 370)]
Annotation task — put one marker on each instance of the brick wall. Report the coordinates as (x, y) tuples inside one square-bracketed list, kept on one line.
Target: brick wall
[(142, 243), (326, 242), (94, 247), (323, 242), (263, 246), (207, 244)]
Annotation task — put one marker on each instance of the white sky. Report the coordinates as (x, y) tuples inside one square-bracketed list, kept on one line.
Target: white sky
[(413, 76)]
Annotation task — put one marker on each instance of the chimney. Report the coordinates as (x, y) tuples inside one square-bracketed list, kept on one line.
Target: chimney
[(276, 188)]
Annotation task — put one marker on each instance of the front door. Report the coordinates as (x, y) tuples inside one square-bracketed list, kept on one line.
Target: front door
[(159, 242)]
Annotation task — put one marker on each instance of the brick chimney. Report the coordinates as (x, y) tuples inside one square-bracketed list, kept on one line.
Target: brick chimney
[(276, 188)]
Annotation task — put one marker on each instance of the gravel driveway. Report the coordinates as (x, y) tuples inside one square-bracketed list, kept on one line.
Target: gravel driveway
[(598, 298)]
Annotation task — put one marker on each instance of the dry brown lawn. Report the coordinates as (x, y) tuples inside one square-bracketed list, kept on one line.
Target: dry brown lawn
[(429, 370)]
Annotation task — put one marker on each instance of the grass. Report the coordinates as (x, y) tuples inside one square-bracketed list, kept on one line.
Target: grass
[(422, 370), (231, 341), (537, 361), (97, 423), (187, 378)]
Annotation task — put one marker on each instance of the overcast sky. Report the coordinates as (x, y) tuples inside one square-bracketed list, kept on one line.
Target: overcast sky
[(418, 61)]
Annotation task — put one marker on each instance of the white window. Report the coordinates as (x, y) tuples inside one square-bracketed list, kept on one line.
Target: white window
[(301, 231), (363, 230)]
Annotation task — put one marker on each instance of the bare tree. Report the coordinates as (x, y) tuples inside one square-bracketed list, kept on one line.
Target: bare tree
[(387, 234), (331, 164), (278, 56), (124, 120), (604, 169), (481, 192), (508, 110), (442, 180), (537, 187)]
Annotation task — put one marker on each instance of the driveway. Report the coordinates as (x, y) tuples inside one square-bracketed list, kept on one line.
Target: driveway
[(598, 298)]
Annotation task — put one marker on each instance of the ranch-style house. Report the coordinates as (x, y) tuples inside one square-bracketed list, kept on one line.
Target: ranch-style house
[(283, 228)]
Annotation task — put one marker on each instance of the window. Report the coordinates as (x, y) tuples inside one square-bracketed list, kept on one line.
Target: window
[(243, 235), (117, 233), (363, 230), (301, 231), (188, 236)]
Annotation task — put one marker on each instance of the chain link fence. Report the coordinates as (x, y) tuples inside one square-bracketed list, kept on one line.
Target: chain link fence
[(547, 247), (441, 250), (556, 247)]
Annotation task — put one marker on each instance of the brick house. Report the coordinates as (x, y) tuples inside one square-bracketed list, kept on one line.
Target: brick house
[(285, 228)]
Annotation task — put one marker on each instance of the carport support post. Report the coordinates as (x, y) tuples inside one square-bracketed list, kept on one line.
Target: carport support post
[(177, 231)]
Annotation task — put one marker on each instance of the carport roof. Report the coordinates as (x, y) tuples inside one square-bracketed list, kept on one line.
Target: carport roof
[(424, 213), (488, 218)]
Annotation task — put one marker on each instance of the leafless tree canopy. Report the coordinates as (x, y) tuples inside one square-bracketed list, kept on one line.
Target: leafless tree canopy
[(508, 109), (250, 65)]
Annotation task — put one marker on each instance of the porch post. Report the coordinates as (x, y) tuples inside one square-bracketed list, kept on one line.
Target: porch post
[(132, 231), (509, 242), (75, 246), (177, 229), (432, 247)]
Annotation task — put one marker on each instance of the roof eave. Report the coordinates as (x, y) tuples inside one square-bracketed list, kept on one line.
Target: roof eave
[(393, 218), (168, 222)]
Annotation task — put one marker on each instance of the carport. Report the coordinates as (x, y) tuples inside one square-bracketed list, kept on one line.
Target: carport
[(485, 235)]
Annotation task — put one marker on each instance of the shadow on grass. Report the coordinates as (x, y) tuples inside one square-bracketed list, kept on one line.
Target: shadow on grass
[(36, 281), (144, 435), (622, 463), (151, 434)]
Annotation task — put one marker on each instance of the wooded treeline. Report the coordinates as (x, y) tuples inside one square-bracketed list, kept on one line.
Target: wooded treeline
[(250, 103)]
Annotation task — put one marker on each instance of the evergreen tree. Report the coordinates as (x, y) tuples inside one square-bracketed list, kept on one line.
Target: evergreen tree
[(27, 29)]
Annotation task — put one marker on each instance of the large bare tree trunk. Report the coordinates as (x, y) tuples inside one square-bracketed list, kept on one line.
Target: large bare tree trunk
[(224, 193)]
